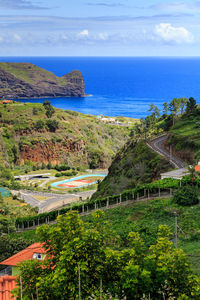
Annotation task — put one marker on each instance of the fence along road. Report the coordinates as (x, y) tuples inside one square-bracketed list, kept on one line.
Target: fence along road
[(147, 195), (157, 144)]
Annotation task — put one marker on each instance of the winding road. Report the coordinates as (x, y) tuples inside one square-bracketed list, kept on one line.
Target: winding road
[(157, 145)]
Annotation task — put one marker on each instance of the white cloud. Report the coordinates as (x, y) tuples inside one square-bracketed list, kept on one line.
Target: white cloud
[(84, 33), (171, 34)]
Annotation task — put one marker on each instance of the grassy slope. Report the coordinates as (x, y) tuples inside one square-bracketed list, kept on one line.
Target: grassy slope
[(101, 140), (145, 217), (184, 136), (134, 163), (30, 73)]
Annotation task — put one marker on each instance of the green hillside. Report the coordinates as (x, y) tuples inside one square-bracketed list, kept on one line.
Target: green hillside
[(29, 72), (185, 137), (135, 163), (28, 134)]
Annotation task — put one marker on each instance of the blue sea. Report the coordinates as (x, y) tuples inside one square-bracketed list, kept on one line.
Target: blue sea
[(123, 86)]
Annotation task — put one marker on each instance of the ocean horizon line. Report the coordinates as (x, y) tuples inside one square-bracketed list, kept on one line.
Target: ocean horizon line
[(97, 56)]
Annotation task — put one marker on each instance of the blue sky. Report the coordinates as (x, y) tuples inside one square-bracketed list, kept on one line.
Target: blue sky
[(99, 28)]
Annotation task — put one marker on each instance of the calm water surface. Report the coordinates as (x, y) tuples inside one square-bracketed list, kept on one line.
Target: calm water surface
[(123, 86)]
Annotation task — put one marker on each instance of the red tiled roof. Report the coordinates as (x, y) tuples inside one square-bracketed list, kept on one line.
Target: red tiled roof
[(197, 168), (7, 284), (7, 101), (24, 255)]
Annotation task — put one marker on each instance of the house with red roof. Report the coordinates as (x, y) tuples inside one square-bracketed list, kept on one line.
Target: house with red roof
[(34, 251), (7, 282)]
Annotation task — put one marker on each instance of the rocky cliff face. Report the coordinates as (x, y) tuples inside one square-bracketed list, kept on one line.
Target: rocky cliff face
[(20, 80), (52, 153)]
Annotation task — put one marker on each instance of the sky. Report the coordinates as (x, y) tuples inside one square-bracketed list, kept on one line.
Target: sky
[(99, 28)]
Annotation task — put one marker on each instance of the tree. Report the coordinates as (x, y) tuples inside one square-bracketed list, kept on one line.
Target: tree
[(49, 108), (160, 273), (39, 125), (52, 125), (9, 247), (70, 249), (186, 196), (183, 103), (191, 106), (46, 103), (155, 110), (35, 111), (174, 107), (79, 255), (165, 108)]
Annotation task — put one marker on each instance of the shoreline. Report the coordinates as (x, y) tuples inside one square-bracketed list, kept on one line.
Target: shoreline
[(48, 97)]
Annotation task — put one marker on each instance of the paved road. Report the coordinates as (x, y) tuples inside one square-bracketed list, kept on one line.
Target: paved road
[(157, 145), (53, 200)]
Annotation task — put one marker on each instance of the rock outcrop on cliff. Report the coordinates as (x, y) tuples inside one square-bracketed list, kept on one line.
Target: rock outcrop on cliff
[(25, 80)]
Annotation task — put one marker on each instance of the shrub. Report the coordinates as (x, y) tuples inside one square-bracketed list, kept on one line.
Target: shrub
[(70, 173), (62, 167), (52, 125), (49, 109), (14, 197), (35, 111), (186, 196), (39, 125)]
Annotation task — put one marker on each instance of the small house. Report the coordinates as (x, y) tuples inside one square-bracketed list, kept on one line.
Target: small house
[(34, 251)]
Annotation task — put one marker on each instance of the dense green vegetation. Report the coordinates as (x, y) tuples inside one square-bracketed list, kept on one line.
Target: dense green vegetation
[(85, 260), (145, 217), (184, 137), (10, 210), (186, 196), (10, 246), (134, 164), (41, 134)]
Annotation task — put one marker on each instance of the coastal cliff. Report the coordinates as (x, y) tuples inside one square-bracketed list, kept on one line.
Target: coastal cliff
[(25, 80)]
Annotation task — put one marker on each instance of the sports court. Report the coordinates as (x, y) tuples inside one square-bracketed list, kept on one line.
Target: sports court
[(77, 182)]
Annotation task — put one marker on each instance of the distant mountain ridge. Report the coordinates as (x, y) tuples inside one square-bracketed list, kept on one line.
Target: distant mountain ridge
[(26, 80)]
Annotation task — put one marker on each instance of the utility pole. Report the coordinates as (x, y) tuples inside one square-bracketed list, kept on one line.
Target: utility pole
[(101, 289), (79, 283), (20, 279), (176, 225)]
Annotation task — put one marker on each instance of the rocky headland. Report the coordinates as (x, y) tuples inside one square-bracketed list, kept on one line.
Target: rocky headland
[(25, 80)]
